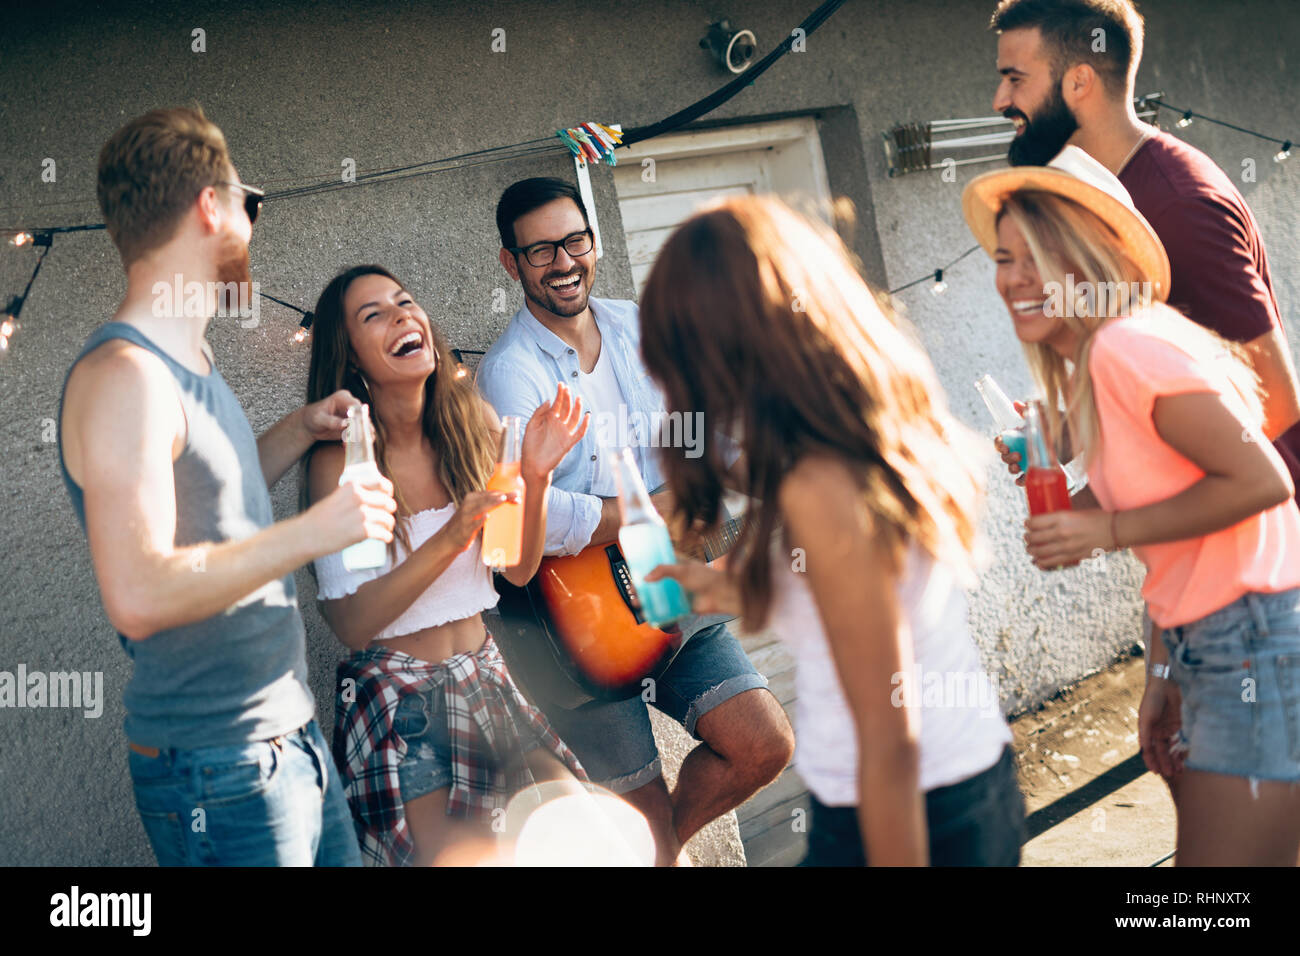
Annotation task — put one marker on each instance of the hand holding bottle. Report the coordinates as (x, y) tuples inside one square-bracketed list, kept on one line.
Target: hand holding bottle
[(470, 516), (353, 512)]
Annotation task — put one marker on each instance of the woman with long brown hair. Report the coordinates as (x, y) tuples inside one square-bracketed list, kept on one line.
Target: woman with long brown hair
[(431, 734), (866, 497)]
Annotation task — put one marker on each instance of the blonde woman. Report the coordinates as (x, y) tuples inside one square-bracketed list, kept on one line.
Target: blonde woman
[(867, 494), (1169, 421)]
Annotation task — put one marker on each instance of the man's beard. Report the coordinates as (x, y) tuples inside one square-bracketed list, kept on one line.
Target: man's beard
[(232, 262), (542, 295), (1045, 135)]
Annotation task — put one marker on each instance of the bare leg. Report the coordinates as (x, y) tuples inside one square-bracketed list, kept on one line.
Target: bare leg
[(441, 840), (656, 805), (1221, 823), (747, 742)]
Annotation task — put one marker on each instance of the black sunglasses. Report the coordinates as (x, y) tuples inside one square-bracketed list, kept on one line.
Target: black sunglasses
[(252, 199)]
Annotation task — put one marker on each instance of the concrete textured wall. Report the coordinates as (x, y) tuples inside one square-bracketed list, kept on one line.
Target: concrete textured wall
[(298, 87)]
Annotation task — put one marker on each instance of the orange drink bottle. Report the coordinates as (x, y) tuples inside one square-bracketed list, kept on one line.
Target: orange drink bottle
[(503, 531)]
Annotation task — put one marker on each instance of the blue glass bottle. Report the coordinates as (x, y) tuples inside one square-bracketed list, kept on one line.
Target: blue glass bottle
[(644, 541)]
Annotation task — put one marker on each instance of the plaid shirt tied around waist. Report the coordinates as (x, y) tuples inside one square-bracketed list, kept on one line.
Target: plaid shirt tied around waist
[(488, 720)]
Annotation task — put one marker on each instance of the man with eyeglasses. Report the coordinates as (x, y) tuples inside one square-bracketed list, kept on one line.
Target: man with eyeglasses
[(228, 764), (563, 334)]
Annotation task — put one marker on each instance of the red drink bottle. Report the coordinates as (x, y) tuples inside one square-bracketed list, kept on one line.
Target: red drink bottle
[(1045, 484)]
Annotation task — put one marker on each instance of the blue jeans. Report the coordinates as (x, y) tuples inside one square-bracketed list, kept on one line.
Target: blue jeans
[(271, 803), (614, 740), (1238, 671)]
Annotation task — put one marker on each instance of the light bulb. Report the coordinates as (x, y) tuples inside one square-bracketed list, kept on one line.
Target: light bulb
[(1283, 153), (21, 239), (300, 335), (7, 327), (939, 287), (1186, 121), (461, 371)]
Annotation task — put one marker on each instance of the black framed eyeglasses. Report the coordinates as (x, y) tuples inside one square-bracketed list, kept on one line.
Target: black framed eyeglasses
[(252, 199), (543, 253)]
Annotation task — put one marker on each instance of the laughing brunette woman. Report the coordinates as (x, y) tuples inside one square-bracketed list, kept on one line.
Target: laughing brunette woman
[(431, 734)]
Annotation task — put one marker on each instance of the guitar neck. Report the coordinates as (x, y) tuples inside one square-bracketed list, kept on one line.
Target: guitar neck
[(713, 545), (717, 543)]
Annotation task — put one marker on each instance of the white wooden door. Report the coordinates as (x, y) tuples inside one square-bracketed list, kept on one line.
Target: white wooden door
[(689, 169)]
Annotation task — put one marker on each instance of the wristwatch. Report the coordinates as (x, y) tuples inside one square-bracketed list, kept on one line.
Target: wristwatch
[(1160, 670)]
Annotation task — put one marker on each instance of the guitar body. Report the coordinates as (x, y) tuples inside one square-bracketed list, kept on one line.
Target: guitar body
[(574, 634)]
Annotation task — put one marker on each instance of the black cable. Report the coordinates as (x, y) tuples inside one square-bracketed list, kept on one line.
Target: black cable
[(1159, 101), (16, 305), (936, 275), (720, 96)]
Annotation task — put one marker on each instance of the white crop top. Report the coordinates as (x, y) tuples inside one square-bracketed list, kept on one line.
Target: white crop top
[(464, 589), (962, 729)]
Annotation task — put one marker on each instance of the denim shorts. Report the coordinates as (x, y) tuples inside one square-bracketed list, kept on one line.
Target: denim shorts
[(1238, 671), (979, 821), (614, 740), (269, 803), (421, 721)]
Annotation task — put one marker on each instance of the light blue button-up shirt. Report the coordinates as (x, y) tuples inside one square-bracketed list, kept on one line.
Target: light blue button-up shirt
[(520, 372)]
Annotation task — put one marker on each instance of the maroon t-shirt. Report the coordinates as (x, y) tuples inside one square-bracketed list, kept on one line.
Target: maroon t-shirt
[(1219, 274)]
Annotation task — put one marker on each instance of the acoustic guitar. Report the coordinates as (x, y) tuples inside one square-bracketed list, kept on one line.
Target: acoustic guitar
[(575, 633)]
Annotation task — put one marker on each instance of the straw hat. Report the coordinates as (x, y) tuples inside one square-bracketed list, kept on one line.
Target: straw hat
[(1077, 176)]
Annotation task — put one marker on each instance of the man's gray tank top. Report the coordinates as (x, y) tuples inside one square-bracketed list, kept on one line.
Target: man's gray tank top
[(240, 676)]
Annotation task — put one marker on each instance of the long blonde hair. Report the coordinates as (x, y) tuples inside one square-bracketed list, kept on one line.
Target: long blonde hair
[(754, 315), (1074, 248)]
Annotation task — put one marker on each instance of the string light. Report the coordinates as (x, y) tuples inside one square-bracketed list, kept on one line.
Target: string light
[(940, 284), (43, 237), (8, 326), (1158, 100)]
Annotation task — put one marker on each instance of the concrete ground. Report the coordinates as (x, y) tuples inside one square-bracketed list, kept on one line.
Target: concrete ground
[(1089, 799)]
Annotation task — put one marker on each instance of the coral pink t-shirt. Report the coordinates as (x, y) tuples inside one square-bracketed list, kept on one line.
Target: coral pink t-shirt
[(1134, 361)]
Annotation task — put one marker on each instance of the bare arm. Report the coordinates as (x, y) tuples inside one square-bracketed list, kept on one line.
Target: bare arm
[(853, 582), (125, 423), (1271, 358), (1242, 478), (282, 445)]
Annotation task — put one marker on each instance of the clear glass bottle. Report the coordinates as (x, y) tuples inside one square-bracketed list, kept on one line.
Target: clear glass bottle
[(359, 465), (1011, 425)]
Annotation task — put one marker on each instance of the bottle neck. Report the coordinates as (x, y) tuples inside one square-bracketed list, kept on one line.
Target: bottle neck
[(1037, 445), (634, 504), (358, 437)]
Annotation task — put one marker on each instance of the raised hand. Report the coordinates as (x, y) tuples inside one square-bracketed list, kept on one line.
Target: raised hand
[(555, 428)]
